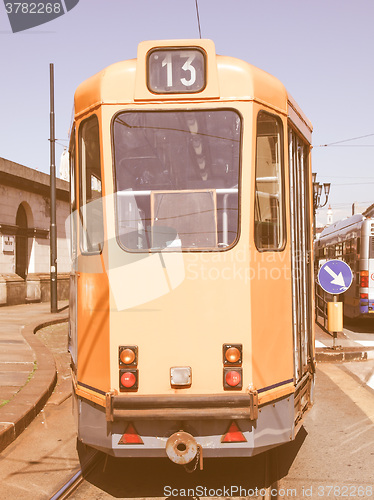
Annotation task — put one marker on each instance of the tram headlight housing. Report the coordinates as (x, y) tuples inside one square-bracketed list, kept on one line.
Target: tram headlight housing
[(180, 376)]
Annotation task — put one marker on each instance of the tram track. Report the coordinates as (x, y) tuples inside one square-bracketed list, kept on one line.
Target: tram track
[(77, 478)]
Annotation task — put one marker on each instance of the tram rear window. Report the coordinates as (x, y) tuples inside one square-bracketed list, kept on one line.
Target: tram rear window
[(177, 177)]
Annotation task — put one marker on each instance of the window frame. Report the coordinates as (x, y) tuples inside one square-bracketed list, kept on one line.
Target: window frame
[(73, 194), (81, 216), (281, 184), (240, 159), (170, 50)]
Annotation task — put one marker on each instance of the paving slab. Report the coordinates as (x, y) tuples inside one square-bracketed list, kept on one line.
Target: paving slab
[(27, 368)]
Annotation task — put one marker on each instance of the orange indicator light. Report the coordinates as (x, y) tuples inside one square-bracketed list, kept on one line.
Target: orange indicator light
[(232, 355), (127, 356)]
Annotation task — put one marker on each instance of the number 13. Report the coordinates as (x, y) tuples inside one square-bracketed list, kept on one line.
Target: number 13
[(187, 66)]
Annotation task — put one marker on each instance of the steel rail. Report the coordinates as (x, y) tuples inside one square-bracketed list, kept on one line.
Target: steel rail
[(76, 479), (70, 486)]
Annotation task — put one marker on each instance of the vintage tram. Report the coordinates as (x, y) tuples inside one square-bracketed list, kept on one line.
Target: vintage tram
[(191, 315)]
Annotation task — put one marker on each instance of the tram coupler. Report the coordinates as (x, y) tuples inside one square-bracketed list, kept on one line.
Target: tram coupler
[(181, 448)]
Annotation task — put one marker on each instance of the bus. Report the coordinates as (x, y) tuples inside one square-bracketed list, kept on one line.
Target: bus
[(352, 240)]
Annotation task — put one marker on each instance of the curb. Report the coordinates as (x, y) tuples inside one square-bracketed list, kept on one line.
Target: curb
[(330, 355), (30, 400)]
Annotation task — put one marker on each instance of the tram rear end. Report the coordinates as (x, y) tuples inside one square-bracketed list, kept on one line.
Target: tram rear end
[(191, 206)]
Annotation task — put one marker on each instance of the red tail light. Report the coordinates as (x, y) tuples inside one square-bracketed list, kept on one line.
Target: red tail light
[(128, 380), (232, 378), (233, 435), (364, 279), (364, 295)]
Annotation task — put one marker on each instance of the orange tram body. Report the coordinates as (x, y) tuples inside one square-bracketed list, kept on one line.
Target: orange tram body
[(191, 328)]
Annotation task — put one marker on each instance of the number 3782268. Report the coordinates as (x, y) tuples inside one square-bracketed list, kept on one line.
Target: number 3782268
[(33, 8)]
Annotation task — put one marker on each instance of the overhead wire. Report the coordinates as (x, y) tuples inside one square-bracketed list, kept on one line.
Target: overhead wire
[(347, 140), (198, 17)]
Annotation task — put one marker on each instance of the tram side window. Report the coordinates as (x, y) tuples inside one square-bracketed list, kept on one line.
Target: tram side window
[(73, 198), (90, 201), (269, 230)]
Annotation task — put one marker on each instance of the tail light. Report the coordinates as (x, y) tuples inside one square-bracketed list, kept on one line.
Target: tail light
[(128, 373), (232, 378), (232, 371), (364, 279), (364, 295), (128, 380)]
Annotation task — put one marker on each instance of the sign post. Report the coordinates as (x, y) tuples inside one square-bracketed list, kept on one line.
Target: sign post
[(335, 277)]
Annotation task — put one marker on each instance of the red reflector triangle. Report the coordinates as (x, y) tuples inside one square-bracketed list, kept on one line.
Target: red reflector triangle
[(130, 436), (233, 435)]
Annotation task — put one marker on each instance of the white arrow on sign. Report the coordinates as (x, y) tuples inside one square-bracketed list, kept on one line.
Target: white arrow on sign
[(338, 278)]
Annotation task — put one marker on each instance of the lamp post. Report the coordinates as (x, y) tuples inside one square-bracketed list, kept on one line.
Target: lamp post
[(317, 192)]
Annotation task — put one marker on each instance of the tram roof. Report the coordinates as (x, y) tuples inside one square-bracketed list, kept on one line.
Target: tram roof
[(229, 78)]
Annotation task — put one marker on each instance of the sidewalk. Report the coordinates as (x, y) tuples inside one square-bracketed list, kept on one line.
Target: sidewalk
[(345, 349), (27, 368)]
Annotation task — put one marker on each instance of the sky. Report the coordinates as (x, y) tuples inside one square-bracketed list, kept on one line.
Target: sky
[(322, 51)]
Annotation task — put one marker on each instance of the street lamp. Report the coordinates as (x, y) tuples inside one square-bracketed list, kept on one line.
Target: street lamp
[(317, 192)]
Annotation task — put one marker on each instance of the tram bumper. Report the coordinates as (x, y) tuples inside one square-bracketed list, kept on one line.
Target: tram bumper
[(274, 426), (220, 406)]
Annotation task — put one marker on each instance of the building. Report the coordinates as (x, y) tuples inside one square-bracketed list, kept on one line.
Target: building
[(329, 219), (24, 235), (369, 212)]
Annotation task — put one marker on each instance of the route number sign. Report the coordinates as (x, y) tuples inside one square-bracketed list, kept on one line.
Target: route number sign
[(335, 276), (176, 71)]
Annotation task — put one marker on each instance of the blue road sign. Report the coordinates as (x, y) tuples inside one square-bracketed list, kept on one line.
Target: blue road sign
[(335, 276)]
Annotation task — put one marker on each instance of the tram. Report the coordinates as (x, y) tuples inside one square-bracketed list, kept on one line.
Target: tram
[(352, 240), (191, 314)]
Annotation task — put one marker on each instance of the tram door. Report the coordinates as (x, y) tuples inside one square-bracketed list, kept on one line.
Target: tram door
[(301, 251)]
